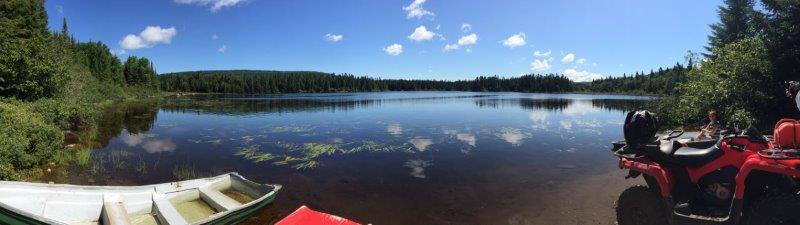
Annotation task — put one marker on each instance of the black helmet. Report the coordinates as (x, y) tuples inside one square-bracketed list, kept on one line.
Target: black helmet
[(640, 127)]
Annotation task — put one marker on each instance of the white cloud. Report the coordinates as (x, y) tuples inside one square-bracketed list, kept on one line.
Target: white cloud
[(465, 27), (334, 37), (421, 34), (542, 54), (581, 61), (464, 41), (223, 48), (568, 58), (470, 39), (394, 49), (149, 37), (541, 64), (214, 37), (581, 76), (514, 41), (216, 5), (156, 34), (416, 10), (132, 42), (450, 47)]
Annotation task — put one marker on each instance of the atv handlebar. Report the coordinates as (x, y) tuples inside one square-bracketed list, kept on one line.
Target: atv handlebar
[(673, 134)]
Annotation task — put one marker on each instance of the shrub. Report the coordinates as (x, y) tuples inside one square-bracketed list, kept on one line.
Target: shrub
[(27, 141), (738, 82)]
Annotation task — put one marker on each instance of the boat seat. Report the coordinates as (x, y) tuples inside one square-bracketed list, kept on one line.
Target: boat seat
[(114, 211), (218, 200), (167, 214)]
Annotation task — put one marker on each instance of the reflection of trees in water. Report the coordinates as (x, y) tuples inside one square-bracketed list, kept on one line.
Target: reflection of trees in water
[(239, 105), (525, 103), (135, 117), (618, 104), (254, 106), (560, 104)]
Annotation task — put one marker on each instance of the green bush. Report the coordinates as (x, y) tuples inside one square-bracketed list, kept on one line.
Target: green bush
[(738, 82), (27, 141), (74, 116)]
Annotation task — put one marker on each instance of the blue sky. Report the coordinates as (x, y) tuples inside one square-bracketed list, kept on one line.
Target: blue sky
[(585, 39)]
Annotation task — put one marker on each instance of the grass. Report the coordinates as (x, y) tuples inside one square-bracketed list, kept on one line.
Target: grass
[(251, 153), (82, 156), (118, 158), (141, 166), (184, 171)]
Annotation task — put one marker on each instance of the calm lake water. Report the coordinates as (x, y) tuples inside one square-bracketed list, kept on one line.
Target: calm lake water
[(381, 158)]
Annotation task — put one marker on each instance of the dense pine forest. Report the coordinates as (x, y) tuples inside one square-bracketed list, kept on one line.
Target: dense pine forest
[(255, 82), (659, 82)]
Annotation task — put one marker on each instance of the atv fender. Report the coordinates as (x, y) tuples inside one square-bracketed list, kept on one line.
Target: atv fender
[(664, 179)]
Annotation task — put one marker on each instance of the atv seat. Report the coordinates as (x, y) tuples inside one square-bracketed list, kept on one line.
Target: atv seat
[(696, 157), (674, 153)]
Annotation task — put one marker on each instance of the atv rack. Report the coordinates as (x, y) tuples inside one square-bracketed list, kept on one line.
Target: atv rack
[(780, 154)]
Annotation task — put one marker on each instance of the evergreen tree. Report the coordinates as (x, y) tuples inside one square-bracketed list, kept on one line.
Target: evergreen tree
[(64, 29), (781, 24), (29, 66), (736, 21)]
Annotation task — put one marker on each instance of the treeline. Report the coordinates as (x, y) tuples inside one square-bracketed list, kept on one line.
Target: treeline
[(52, 90), (659, 82), (260, 82)]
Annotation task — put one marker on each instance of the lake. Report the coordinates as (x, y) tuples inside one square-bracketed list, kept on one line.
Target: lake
[(380, 158)]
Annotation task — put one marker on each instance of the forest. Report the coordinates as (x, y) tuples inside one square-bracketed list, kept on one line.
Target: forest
[(261, 82), (53, 89)]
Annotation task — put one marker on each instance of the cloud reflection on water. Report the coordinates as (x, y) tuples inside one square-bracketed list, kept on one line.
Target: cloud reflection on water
[(394, 129), (421, 143), (149, 144), (418, 167), (513, 136)]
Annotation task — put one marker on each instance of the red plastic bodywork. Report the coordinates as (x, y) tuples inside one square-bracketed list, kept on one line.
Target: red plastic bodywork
[(746, 161), (307, 216)]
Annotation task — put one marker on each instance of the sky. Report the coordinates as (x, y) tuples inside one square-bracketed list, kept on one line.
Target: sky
[(409, 39)]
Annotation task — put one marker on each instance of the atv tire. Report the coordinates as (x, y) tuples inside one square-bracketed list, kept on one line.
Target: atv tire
[(640, 205), (774, 209)]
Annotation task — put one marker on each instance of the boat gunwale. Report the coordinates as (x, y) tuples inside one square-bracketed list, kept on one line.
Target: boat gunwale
[(272, 193)]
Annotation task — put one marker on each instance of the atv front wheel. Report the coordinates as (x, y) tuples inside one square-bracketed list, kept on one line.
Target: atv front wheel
[(774, 209), (639, 205)]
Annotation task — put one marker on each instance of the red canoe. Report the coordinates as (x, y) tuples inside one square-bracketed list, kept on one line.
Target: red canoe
[(307, 216)]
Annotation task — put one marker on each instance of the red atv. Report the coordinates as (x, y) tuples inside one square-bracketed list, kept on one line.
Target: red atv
[(740, 178)]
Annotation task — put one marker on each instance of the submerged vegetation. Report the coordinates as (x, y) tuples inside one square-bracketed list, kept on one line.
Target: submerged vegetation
[(306, 155)]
